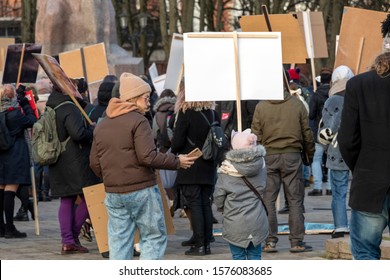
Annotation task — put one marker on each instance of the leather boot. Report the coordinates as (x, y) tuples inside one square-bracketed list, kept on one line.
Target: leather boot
[(196, 251), (21, 215), (12, 232)]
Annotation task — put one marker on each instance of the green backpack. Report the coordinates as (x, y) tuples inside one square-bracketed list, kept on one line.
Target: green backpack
[(46, 146)]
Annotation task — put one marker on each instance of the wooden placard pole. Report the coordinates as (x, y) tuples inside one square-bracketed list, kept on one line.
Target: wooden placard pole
[(238, 83), (20, 64), (359, 60), (309, 45), (266, 17)]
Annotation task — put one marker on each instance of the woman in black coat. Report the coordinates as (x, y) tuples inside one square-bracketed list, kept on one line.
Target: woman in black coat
[(197, 182), (15, 161), (71, 172)]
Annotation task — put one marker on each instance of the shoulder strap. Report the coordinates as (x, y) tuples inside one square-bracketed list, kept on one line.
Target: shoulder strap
[(212, 113), (249, 184), (63, 103)]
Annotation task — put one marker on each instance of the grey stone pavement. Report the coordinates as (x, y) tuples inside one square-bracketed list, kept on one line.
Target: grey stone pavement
[(47, 245)]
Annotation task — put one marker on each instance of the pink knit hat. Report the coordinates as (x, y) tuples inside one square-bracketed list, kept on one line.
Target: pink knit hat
[(243, 140)]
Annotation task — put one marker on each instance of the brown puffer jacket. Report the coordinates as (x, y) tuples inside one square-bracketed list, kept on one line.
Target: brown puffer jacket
[(123, 150)]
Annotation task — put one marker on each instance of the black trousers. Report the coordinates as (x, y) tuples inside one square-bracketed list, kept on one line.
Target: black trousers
[(199, 203)]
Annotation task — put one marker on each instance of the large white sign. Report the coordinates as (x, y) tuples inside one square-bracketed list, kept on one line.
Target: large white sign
[(219, 67), (175, 63)]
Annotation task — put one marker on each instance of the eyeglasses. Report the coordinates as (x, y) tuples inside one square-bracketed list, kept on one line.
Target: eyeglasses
[(147, 98)]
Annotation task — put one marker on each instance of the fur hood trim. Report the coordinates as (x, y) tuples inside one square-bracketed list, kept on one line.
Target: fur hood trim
[(244, 155), (162, 101)]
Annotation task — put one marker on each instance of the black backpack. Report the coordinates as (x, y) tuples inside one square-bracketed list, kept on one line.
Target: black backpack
[(163, 138), (6, 138), (213, 146)]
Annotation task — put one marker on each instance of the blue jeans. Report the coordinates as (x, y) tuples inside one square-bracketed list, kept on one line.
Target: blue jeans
[(338, 180), (366, 232), (250, 253), (141, 209), (316, 167)]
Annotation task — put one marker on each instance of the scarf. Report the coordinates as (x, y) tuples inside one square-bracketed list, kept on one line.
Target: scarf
[(228, 168), (6, 103)]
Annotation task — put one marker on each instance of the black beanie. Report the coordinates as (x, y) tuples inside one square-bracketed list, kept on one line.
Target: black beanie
[(104, 92)]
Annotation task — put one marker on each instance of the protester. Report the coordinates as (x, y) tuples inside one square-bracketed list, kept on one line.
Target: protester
[(197, 182), (124, 155), (71, 173), (327, 135), (364, 137), (316, 105), (14, 162), (245, 223), (103, 97), (281, 126)]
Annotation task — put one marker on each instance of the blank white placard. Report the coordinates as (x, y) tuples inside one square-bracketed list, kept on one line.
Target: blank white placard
[(210, 70), (175, 62)]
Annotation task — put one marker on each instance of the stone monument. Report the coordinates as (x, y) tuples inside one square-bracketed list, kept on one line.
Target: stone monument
[(65, 25)]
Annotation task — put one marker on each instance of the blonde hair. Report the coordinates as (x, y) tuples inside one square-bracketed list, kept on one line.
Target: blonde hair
[(181, 104), (382, 64), (7, 91)]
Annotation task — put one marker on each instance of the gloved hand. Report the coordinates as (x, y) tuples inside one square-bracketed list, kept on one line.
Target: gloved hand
[(21, 92)]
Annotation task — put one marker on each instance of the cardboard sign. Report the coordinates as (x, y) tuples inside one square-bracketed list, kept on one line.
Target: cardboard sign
[(158, 83), (94, 197), (153, 72), (29, 68), (89, 62), (360, 39), (216, 70), (175, 64), (318, 34), (293, 41), (4, 43)]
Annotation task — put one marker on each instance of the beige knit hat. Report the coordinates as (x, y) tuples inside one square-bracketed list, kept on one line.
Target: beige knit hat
[(132, 86)]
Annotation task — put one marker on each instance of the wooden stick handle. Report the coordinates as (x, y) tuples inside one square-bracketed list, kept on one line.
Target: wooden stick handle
[(20, 64)]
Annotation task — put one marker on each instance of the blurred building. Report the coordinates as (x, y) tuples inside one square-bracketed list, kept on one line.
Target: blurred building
[(10, 18)]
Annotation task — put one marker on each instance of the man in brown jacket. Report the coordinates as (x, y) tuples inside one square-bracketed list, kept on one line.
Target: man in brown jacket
[(282, 128), (124, 155)]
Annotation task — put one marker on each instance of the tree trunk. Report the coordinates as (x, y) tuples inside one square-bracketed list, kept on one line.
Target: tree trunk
[(29, 14), (172, 17), (163, 28), (202, 14), (210, 4), (219, 23)]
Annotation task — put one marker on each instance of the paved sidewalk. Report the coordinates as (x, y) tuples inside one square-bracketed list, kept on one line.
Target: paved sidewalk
[(47, 245)]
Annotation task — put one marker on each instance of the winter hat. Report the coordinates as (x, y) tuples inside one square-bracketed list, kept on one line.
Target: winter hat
[(132, 86), (340, 77), (243, 140), (294, 74), (104, 92)]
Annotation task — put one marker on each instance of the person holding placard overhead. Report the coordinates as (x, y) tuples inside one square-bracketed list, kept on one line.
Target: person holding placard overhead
[(197, 182), (14, 159), (281, 126)]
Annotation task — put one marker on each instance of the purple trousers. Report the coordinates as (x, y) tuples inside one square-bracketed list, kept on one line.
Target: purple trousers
[(71, 218)]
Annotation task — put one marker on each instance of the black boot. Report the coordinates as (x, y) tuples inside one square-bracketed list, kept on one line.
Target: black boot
[(45, 197), (12, 232), (21, 215), (31, 209), (196, 251), (189, 242)]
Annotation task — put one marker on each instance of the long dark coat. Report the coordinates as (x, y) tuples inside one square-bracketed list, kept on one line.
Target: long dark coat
[(71, 172), (364, 139), (15, 162), (191, 124)]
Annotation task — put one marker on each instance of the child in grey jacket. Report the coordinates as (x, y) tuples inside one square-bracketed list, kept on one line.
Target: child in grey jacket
[(245, 223)]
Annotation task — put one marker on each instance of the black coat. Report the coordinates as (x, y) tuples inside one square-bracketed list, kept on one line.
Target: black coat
[(192, 124), (364, 139), (71, 172), (317, 101), (15, 162)]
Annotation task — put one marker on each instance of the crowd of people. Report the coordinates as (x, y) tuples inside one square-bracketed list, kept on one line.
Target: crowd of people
[(339, 131)]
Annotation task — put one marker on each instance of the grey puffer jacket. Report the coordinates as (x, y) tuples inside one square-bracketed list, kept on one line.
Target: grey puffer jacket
[(245, 219)]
